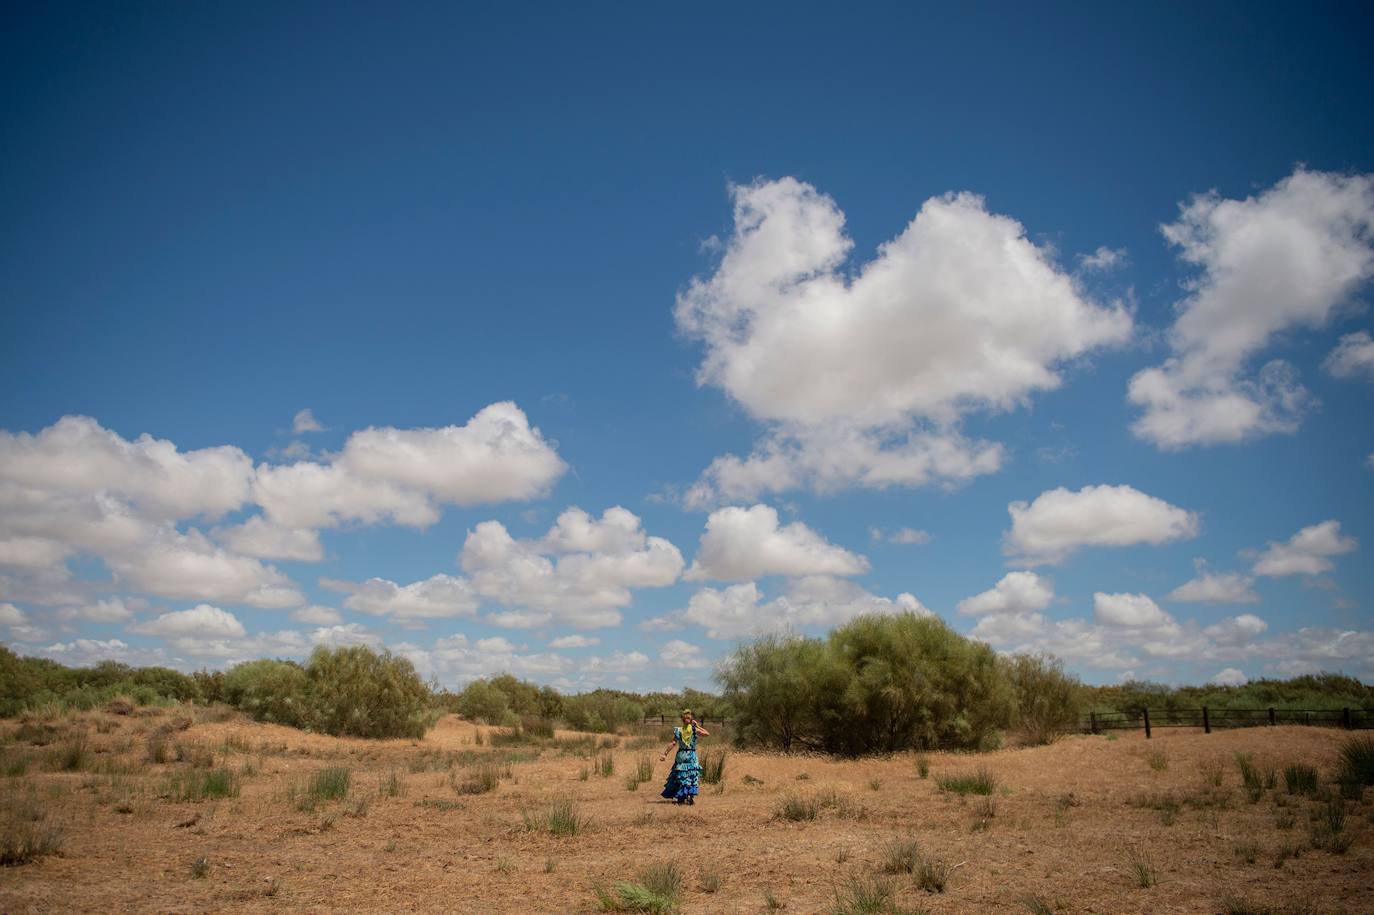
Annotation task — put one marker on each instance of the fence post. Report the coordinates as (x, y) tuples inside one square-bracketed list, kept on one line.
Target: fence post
[(1345, 718), (1092, 717), (1206, 722), (1271, 715), (1147, 724)]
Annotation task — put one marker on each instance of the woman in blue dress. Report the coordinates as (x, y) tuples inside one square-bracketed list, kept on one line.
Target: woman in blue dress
[(685, 776)]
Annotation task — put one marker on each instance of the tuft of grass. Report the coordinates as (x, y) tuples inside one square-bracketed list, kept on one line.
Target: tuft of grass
[(200, 868), (713, 766), (797, 808), (932, 875), (1159, 760), (486, 777), (202, 784), (1247, 852), (1037, 905), (750, 780), (1234, 905), (560, 818), (922, 765), (980, 782), (605, 765), (330, 783), (392, 786), (1139, 868), (72, 754), (772, 903), (644, 769), (1250, 776), (864, 896), (16, 766), (708, 880), (550, 865), (1300, 778), (901, 856), (1357, 761), (984, 813), (1212, 773), (632, 782), (1284, 819), (25, 839), (658, 890), (876, 784)]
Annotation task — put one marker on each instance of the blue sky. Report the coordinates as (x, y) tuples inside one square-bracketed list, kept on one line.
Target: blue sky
[(1078, 300)]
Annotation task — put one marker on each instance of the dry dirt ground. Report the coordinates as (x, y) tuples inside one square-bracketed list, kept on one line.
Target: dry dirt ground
[(1063, 824)]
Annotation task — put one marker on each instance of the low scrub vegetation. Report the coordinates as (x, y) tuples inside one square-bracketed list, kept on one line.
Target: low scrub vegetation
[(980, 782), (658, 890)]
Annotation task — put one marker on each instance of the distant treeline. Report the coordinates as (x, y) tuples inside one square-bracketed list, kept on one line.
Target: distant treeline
[(1315, 692), (877, 684), (508, 701)]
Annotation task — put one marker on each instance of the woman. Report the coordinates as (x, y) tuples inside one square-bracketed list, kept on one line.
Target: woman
[(685, 775)]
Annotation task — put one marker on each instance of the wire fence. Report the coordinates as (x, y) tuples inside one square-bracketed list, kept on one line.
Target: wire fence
[(1209, 718)]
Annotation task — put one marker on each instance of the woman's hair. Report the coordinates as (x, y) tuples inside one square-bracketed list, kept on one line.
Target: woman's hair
[(686, 713)]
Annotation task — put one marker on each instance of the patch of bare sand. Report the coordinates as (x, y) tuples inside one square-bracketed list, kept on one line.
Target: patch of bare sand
[(1064, 818)]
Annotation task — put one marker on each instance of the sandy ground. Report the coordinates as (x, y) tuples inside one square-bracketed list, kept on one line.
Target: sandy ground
[(1066, 817)]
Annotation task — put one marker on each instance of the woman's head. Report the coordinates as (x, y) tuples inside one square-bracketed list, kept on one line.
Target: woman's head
[(686, 714)]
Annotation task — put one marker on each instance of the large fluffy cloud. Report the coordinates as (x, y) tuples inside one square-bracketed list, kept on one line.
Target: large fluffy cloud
[(1130, 611), (815, 600), (1289, 257), (743, 543), (863, 379), (1308, 552), (1216, 588), (1060, 521), (1017, 592), (579, 573), (201, 621)]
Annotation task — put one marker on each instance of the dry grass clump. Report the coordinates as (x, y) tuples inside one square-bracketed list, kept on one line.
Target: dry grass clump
[(25, 832), (901, 856), (865, 896), (202, 784), (485, 778), (1299, 778), (1139, 868), (797, 808), (713, 766)]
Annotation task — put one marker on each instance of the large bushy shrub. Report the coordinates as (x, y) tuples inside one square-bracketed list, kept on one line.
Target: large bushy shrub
[(352, 691), (481, 701), (879, 683), (358, 692), (1048, 701), (30, 682), (272, 691)]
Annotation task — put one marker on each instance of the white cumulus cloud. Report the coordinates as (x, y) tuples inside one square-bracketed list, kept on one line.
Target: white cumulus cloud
[(1216, 588), (202, 621), (1059, 522), (864, 378), (744, 543), (1132, 611), (1017, 592), (1307, 552), (438, 597), (1287, 258)]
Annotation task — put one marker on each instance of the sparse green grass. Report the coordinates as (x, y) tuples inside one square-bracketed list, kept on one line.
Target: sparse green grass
[(772, 903), (16, 766), (605, 765), (330, 783), (1234, 905), (1159, 760), (658, 890), (713, 766), (980, 782), (708, 880), (1300, 778), (560, 818), (392, 786), (922, 765), (1247, 852), (1250, 776), (439, 804), (644, 769), (1139, 868), (797, 808), (1284, 819), (864, 896), (72, 754), (1357, 761), (202, 784), (200, 868), (1037, 905), (875, 784), (900, 856)]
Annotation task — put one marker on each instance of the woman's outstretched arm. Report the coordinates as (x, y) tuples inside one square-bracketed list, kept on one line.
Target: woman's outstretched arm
[(700, 729)]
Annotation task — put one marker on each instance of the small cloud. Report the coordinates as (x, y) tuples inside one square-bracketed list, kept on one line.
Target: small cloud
[(1103, 258), (1230, 677), (574, 641), (910, 536), (305, 422)]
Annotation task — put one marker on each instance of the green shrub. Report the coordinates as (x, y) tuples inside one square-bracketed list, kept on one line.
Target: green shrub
[(481, 701), (881, 683), (274, 691), (1048, 701), (1300, 778), (358, 692)]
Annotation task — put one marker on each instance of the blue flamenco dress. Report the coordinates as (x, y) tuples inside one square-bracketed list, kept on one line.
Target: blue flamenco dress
[(685, 778)]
